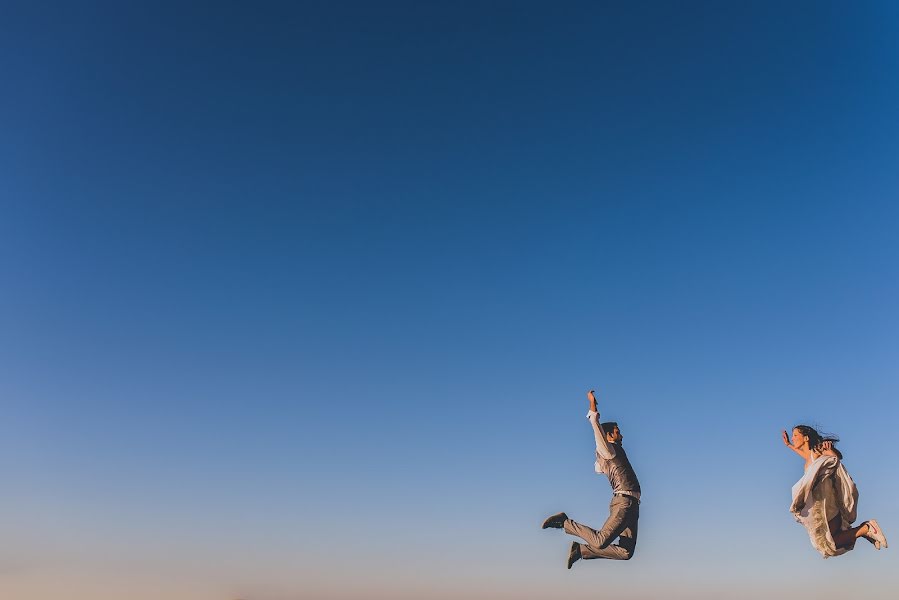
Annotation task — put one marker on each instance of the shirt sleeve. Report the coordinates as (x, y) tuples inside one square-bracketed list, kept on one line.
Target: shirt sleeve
[(603, 448)]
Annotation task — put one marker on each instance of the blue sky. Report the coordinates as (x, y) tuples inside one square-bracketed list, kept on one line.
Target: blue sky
[(301, 300)]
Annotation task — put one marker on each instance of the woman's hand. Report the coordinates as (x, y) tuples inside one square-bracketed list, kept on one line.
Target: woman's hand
[(787, 440)]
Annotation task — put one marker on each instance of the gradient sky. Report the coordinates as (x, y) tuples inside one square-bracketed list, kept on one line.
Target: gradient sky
[(301, 300)]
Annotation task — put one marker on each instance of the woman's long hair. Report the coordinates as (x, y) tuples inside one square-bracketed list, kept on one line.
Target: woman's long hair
[(815, 439)]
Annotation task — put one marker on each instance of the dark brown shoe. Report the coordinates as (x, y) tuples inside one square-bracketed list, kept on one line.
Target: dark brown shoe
[(555, 521), (574, 554)]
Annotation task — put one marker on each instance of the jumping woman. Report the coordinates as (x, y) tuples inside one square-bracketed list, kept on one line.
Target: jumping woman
[(825, 499)]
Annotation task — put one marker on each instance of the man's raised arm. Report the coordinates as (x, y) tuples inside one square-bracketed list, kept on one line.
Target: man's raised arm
[(603, 447)]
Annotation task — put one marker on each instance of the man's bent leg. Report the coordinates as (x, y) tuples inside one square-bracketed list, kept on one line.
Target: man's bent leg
[(622, 521), (624, 550), (612, 528)]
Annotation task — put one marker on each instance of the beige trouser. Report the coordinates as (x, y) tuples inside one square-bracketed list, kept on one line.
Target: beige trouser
[(622, 523)]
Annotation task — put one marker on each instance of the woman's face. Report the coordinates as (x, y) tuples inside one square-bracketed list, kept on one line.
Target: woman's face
[(799, 440)]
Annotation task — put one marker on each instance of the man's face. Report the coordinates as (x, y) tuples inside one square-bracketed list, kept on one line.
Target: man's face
[(615, 436)]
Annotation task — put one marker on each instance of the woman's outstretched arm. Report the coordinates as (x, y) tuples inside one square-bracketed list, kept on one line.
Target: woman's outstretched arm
[(803, 452)]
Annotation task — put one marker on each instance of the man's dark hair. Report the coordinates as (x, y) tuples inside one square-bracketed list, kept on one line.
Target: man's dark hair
[(609, 426)]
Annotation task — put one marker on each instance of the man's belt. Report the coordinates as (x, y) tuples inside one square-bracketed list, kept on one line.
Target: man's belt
[(634, 495)]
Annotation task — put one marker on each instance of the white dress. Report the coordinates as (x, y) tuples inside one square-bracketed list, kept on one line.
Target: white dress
[(825, 491)]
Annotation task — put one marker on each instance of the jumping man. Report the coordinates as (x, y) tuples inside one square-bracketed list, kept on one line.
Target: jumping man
[(624, 509)]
